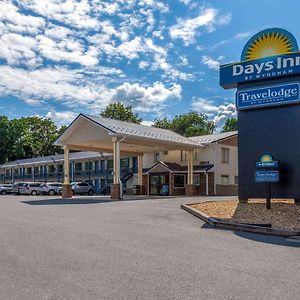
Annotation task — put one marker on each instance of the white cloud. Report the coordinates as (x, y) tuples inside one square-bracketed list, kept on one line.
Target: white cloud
[(16, 49), (149, 98), (186, 29), (16, 22), (147, 123), (62, 117), (212, 63), (218, 113)]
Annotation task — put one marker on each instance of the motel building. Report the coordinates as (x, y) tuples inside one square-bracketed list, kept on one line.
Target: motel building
[(134, 158)]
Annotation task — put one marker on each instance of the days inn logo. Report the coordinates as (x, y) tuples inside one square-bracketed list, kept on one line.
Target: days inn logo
[(269, 53)]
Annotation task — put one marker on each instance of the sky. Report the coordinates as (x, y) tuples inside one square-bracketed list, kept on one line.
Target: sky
[(62, 58)]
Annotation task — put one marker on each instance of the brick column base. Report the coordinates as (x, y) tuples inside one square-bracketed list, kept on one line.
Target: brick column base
[(67, 191), (190, 190), (297, 201), (142, 190), (115, 191)]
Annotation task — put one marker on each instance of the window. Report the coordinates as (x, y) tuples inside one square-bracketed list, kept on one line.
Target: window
[(179, 180), (183, 156), (124, 163), (60, 168), (156, 157), (78, 166), (29, 171), (36, 170), (225, 155), (196, 155), (236, 179), (110, 164), (224, 179), (51, 169), (196, 179), (7, 172), (88, 166)]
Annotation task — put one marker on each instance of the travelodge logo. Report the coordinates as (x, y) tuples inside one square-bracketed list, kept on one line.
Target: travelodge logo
[(269, 53)]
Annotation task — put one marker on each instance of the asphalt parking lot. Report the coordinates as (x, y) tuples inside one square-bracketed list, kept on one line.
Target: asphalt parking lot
[(91, 248)]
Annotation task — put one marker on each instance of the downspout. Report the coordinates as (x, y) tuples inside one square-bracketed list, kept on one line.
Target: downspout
[(206, 183), (120, 181)]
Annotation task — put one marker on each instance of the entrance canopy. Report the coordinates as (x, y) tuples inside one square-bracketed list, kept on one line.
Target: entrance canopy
[(96, 133)]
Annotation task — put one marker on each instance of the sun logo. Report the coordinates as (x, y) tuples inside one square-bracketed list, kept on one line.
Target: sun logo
[(270, 42)]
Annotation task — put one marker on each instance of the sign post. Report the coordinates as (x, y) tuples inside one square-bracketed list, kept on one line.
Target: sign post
[(267, 173)]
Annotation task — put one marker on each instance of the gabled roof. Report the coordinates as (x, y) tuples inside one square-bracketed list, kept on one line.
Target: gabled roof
[(53, 159), (132, 129), (176, 168), (213, 138), (94, 133)]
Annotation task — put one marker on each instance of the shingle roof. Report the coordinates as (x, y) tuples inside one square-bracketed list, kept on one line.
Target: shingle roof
[(53, 158), (212, 138), (174, 167), (132, 129)]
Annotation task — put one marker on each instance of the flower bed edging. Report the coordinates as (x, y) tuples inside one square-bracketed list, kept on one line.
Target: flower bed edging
[(236, 226)]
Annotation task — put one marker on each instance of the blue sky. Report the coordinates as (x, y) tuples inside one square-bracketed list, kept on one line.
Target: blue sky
[(60, 58)]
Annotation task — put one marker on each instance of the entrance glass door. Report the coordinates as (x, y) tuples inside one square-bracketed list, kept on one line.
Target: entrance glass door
[(159, 184)]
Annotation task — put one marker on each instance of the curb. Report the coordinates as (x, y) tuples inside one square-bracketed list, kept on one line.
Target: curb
[(236, 226)]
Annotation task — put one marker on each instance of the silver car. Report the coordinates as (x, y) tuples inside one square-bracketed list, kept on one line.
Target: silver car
[(50, 188), (30, 188), (5, 189), (81, 188)]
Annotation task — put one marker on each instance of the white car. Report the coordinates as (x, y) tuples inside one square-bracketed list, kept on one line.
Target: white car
[(30, 188)]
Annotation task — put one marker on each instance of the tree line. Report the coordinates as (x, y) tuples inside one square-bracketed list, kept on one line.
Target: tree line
[(34, 136)]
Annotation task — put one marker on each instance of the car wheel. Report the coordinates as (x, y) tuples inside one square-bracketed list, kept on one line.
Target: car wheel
[(34, 193), (51, 192), (90, 192), (3, 192)]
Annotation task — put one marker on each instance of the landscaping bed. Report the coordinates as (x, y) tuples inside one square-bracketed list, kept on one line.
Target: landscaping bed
[(284, 214)]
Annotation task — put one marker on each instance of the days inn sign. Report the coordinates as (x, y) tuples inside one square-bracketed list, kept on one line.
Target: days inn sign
[(268, 54)]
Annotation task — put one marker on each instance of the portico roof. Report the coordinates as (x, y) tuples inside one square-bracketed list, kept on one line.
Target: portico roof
[(93, 133)]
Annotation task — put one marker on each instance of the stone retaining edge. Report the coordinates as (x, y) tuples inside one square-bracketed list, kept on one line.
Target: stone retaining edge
[(236, 226)]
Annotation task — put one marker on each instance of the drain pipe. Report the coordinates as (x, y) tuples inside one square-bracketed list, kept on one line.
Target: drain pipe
[(120, 182), (206, 183)]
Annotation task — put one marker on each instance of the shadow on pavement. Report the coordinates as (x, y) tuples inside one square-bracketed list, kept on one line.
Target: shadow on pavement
[(66, 201), (261, 238)]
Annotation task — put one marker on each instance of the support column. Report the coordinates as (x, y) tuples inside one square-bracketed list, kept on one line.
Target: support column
[(190, 188), (66, 189), (141, 187), (115, 186)]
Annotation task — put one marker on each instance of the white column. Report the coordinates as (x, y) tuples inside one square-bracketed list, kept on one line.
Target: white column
[(66, 165), (140, 169), (190, 167), (116, 155)]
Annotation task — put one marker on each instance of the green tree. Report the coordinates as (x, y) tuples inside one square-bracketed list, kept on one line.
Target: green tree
[(121, 112), (230, 125), (188, 124), (6, 139), (34, 137)]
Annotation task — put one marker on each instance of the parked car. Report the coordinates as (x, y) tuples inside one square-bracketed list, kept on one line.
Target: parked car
[(50, 188), (5, 189), (81, 188), (30, 188), (16, 188)]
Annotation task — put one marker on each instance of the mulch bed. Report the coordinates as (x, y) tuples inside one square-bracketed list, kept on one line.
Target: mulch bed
[(284, 214)]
